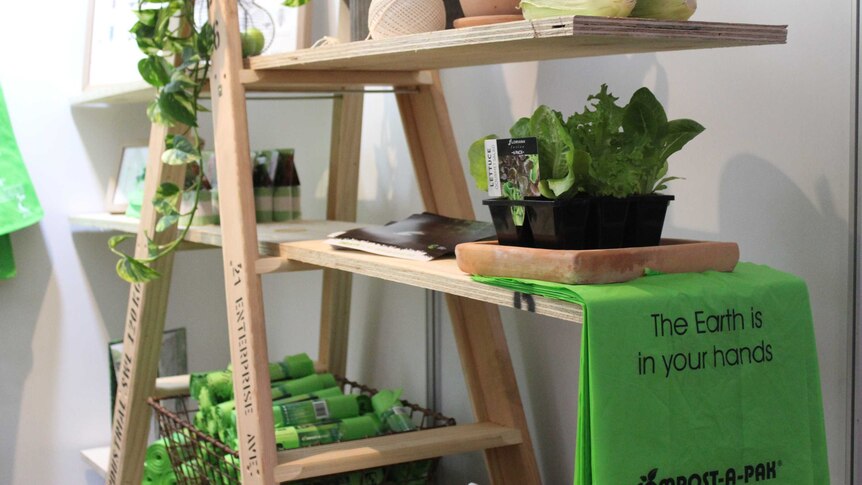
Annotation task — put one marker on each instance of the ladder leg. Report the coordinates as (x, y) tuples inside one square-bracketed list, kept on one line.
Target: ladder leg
[(340, 206), (247, 331), (478, 330), (142, 337)]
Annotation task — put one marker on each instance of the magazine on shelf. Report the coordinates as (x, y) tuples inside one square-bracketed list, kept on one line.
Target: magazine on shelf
[(420, 237)]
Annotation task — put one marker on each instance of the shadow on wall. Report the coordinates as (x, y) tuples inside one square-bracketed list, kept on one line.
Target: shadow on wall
[(24, 293), (99, 268)]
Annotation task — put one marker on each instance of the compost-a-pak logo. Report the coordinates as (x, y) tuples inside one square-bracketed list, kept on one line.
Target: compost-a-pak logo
[(752, 473)]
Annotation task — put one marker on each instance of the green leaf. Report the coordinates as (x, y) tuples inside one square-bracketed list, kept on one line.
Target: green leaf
[(116, 240), (135, 271), (476, 157), (146, 17), (679, 133), (521, 128), (175, 108), (153, 249), (166, 222), (556, 150), (645, 115), (167, 198), (155, 70), (294, 3)]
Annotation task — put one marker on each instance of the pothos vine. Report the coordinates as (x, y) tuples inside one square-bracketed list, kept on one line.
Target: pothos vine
[(166, 31)]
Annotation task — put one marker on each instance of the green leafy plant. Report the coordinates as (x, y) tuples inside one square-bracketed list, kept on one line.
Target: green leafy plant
[(606, 150), (177, 63)]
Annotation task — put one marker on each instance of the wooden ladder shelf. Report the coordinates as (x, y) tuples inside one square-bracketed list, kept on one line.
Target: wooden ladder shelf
[(409, 64)]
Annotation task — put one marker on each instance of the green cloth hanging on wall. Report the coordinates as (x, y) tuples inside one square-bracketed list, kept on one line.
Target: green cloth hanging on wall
[(699, 378), (19, 206)]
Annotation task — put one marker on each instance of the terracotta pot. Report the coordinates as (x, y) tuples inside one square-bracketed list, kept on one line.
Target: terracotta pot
[(474, 8)]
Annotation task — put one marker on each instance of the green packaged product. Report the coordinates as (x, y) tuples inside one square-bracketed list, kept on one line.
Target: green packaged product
[(303, 385), (156, 459), (292, 367), (393, 415), (322, 434), (319, 410), (328, 392)]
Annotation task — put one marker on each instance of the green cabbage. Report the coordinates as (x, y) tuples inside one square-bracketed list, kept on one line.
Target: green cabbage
[(537, 9), (665, 9)]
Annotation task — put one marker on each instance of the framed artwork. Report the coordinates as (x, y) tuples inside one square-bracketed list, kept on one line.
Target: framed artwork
[(112, 54), (129, 178)]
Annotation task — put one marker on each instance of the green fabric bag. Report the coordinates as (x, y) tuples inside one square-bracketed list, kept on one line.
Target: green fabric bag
[(699, 378), (19, 206)]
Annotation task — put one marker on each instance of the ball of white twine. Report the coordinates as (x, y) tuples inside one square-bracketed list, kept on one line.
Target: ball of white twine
[(390, 18)]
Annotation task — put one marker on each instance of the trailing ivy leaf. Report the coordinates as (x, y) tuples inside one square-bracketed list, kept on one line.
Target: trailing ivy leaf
[(146, 17), (173, 108), (153, 249), (155, 70), (166, 222), (166, 199), (116, 240), (135, 271), (476, 157), (179, 81)]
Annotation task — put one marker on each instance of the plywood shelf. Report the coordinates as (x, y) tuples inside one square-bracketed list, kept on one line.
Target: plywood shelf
[(299, 244), (400, 61), (551, 38), (387, 450), (97, 458)]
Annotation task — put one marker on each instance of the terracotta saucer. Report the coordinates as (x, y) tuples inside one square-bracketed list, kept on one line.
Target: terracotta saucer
[(464, 22)]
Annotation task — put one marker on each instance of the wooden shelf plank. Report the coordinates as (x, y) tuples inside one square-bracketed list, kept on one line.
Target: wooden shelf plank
[(551, 38), (98, 459), (270, 235), (387, 450), (440, 275), (300, 242)]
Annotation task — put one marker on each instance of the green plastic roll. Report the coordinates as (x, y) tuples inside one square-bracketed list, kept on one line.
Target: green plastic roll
[(299, 365), (393, 415), (359, 427), (205, 400), (189, 471), (168, 479), (156, 459), (309, 412), (303, 385), (323, 393)]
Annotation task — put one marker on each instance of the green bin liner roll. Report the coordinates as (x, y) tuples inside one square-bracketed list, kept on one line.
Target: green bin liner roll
[(321, 434), (303, 385), (308, 412), (157, 460), (328, 392), (393, 415), (292, 367)]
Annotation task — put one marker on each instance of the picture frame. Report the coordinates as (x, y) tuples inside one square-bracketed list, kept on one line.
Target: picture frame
[(129, 177)]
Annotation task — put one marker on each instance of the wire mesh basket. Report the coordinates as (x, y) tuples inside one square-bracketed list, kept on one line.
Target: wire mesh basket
[(199, 459)]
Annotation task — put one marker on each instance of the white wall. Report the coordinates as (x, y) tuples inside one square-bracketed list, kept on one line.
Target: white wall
[(772, 171)]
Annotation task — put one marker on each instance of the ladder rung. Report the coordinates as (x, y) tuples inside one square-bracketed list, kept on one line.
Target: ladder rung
[(300, 80), (387, 450), (281, 265)]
